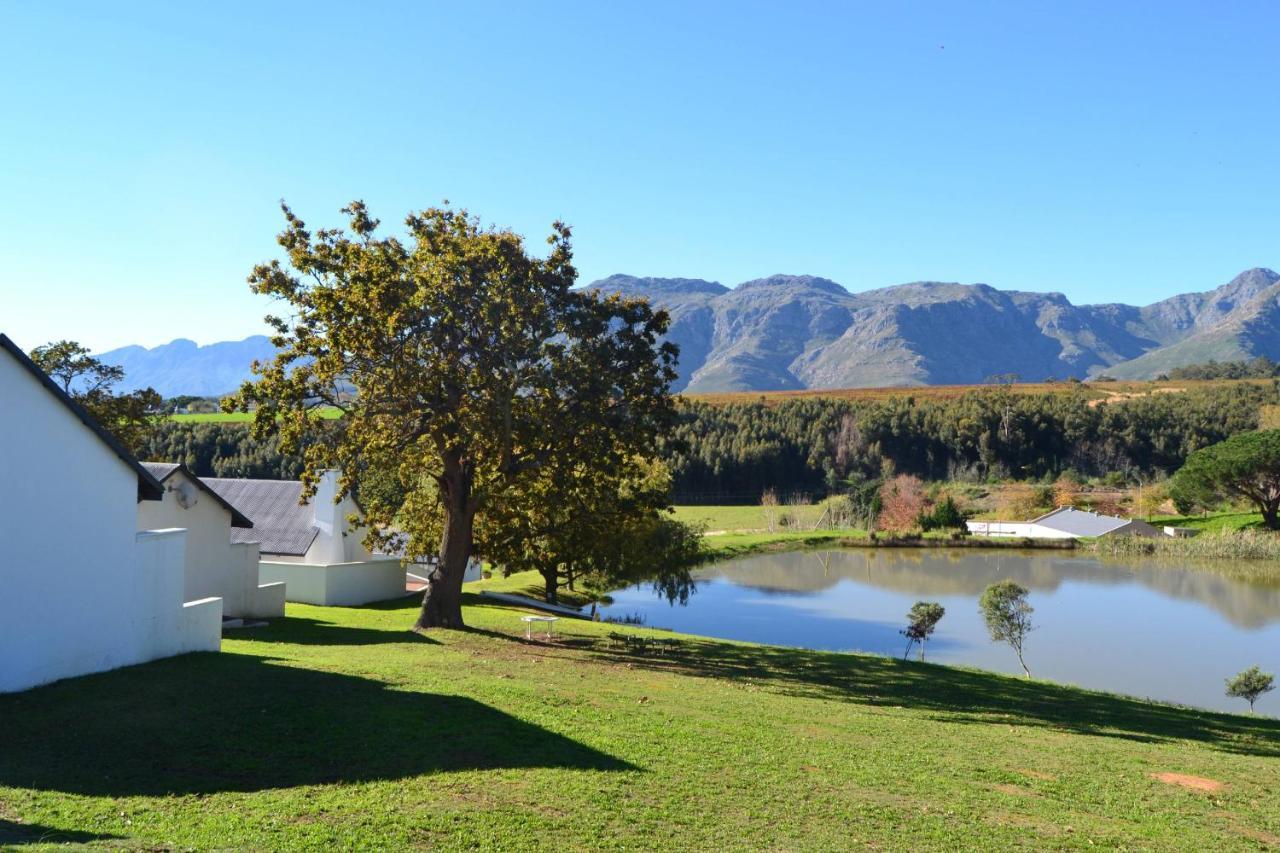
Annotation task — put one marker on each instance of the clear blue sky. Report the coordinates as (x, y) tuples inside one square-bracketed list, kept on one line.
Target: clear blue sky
[(1111, 151)]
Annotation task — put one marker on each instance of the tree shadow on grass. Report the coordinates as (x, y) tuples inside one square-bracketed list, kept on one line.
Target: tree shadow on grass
[(14, 834), (952, 694), (205, 723), (299, 630)]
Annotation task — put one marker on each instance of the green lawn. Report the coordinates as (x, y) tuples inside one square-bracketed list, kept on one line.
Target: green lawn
[(336, 728), (749, 517), (327, 412), (1214, 522)]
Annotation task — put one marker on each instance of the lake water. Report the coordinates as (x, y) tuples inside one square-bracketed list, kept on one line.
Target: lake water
[(1135, 626)]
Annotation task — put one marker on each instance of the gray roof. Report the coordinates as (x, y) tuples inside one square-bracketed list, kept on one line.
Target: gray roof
[(280, 523), (164, 470), (1079, 522), (149, 489)]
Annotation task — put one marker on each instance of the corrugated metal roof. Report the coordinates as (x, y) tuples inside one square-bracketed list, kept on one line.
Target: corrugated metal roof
[(164, 470), (280, 523), (1079, 522)]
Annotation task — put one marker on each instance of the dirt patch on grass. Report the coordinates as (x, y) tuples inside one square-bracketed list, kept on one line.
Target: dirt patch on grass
[(1036, 774), (1267, 838), (1013, 790), (1194, 783)]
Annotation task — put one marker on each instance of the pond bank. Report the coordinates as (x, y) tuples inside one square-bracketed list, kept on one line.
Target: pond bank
[(725, 545)]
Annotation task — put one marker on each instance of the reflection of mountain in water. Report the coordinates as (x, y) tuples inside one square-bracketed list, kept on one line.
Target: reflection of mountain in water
[(923, 572)]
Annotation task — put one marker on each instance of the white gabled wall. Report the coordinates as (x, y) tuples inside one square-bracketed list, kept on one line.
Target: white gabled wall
[(79, 591), (214, 568)]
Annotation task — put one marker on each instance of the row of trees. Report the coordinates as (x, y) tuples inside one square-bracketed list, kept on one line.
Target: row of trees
[(737, 452), (1255, 368)]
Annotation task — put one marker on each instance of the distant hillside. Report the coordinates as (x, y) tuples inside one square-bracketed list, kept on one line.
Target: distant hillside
[(796, 332), (183, 367), (793, 332)]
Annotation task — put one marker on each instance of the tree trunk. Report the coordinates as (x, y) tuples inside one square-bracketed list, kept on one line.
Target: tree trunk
[(1269, 515), (550, 580), (442, 599)]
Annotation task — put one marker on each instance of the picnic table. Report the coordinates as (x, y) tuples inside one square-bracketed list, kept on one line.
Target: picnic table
[(529, 620)]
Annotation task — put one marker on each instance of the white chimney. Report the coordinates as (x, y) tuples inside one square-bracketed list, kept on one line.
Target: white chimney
[(329, 546)]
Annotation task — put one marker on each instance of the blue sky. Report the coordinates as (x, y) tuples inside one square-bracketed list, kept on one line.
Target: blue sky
[(1110, 151)]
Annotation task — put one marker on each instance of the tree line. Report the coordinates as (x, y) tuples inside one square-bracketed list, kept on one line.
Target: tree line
[(824, 445)]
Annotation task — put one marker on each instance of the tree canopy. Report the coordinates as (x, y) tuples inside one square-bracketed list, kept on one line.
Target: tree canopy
[(1244, 466), (91, 383), (475, 367)]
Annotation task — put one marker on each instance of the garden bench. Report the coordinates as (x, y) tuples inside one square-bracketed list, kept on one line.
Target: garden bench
[(529, 620)]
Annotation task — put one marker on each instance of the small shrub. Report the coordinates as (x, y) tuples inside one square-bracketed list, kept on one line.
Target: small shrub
[(902, 501)]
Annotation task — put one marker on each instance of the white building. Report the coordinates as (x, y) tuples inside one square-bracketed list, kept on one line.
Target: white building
[(311, 547), (1065, 523), (215, 566), (81, 589)]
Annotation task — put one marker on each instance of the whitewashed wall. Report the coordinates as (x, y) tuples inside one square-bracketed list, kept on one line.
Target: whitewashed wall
[(1025, 529), (213, 566), (342, 584), (80, 592)]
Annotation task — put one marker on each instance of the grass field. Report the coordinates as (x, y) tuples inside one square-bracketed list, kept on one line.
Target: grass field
[(327, 412), (337, 728), (749, 517)]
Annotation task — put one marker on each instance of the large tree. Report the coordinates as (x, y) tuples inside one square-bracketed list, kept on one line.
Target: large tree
[(596, 528), (1244, 466), (474, 363), (130, 417)]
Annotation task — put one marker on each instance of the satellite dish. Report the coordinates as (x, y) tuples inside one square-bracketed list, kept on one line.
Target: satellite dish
[(186, 495)]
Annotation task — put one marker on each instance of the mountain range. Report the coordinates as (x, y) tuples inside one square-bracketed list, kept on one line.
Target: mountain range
[(792, 332), (799, 331)]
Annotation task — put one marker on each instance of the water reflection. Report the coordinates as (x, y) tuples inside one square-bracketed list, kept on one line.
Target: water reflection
[(1135, 626), (1249, 603)]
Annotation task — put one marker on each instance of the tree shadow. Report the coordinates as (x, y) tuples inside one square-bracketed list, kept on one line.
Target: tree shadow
[(205, 723), (950, 693), (14, 834), (298, 630)]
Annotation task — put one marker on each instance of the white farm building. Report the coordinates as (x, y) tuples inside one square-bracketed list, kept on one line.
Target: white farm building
[(312, 547), (1065, 523), (214, 565), (81, 588)]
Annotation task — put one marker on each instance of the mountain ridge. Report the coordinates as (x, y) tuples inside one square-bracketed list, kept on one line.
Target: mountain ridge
[(792, 332)]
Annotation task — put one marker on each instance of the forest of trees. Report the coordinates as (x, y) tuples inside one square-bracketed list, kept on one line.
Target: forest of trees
[(1255, 368), (732, 453), (824, 445)]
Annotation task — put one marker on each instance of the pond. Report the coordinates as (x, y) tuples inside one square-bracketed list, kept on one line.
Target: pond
[(1128, 626)]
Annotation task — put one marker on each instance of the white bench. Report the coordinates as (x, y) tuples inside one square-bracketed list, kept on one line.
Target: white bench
[(529, 620)]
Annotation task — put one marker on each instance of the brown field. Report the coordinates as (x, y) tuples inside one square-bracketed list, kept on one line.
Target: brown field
[(1099, 392)]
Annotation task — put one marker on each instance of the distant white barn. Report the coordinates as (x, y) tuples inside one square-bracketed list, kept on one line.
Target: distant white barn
[(1065, 523), (215, 566), (311, 547), (81, 589)]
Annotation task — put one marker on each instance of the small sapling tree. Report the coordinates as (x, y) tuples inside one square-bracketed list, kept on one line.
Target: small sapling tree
[(921, 620), (1249, 684), (1007, 613)]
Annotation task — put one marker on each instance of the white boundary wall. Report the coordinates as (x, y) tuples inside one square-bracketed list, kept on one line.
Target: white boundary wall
[(1022, 529), (344, 584)]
